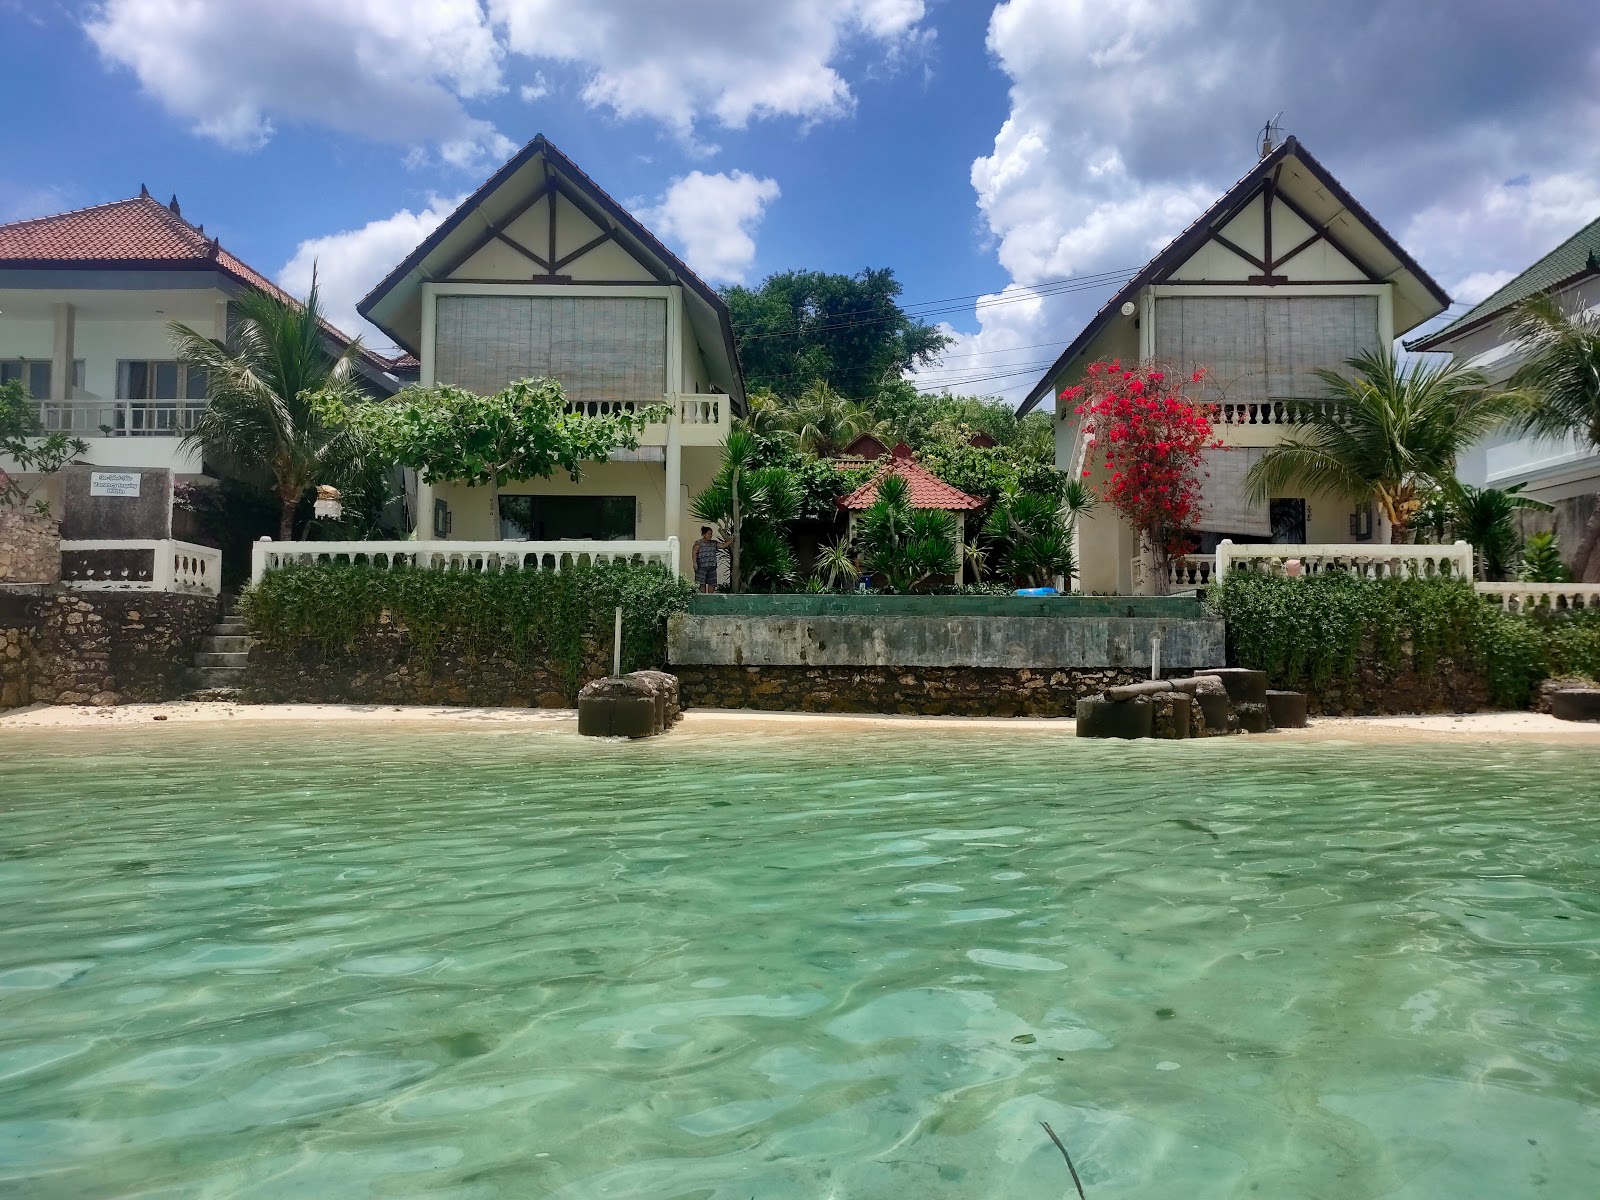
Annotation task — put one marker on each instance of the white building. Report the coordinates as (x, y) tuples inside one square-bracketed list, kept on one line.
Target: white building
[(1284, 274), (539, 273), (85, 301), (1566, 473)]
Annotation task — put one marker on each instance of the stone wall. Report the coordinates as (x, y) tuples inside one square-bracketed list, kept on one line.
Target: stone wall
[(383, 668), (1374, 689), (30, 547), (927, 691), (99, 647)]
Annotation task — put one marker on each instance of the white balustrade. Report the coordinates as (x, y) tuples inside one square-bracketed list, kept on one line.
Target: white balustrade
[(1270, 412), (267, 555), (1190, 570), (120, 418), (702, 410), (1556, 597), (146, 565), (1370, 560)]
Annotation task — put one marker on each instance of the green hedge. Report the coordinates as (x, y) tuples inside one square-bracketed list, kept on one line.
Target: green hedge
[(527, 616), (1311, 631)]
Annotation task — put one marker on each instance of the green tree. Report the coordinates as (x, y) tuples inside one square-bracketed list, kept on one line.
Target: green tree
[(1389, 437), (23, 440), (1487, 518), (799, 328), (754, 503), (907, 549), (1541, 560), (1561, 377), (1033, 532), (823, 423), (265, 419), (524, 431)]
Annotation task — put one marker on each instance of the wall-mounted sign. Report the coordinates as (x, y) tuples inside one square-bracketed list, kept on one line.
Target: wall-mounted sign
[(114, 483)]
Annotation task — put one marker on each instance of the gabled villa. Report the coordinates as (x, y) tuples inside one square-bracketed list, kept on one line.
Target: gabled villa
[(85, 301), (540, 273), (1285, 273), (1563, 473)]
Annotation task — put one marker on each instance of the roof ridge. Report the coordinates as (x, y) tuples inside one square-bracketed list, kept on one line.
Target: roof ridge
[(73, 212), (1517, 288)]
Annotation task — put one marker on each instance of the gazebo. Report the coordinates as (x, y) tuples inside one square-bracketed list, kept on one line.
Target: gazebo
[(925, 489)]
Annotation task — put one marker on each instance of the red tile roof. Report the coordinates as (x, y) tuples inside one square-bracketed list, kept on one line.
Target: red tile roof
[(926, 489), (134, 233)]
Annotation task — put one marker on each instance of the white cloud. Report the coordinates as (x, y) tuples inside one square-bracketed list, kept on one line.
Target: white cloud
[(537, 90), (1480, 284), (395, 70), (1128, 119), (730, 61), (712, 218), (350, 262)]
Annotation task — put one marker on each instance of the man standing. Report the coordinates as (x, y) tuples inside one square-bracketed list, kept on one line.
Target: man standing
[(706, 552)]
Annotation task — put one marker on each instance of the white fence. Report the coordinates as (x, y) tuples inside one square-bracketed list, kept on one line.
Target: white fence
[(153, 565), (1525, 597), (1370, 560), (267, 555)]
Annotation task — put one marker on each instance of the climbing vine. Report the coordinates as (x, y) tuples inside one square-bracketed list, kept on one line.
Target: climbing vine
[(527, 617), (1315, 630)]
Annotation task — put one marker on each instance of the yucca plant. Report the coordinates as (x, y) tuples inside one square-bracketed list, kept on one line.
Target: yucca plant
[(835, 567), (1486, 517), (1034, 532), (1541, 560), (753, 503), (909, 548), (266, 386), (1391, 435)]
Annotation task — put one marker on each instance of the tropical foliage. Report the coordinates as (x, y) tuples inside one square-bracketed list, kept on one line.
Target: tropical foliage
[(1561, 377), (752, 501), (1391, 436), (905, 549), (1541, 560), (23, 440), (1032, 532), (274, 395), (524, 431)]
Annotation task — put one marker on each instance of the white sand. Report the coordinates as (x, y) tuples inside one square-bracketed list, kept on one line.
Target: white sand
[(1443, 727)]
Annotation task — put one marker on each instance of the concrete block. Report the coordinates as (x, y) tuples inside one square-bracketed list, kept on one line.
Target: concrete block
[(1576, 704), (1217, 718), (1287, 710), (1253, 718), (1171, 715), (1244, 686), (1115, 719)]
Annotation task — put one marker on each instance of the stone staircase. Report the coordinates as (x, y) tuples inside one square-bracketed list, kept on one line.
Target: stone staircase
[(219, 665)]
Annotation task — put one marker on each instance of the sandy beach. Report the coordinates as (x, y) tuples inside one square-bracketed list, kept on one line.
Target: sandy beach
[(1432, 727)]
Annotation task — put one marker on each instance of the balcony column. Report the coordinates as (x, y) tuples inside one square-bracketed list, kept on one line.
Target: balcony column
[(62, 355), (674, 496)]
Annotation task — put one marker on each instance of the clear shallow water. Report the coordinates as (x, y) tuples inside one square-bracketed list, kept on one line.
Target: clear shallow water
[(510, 964)]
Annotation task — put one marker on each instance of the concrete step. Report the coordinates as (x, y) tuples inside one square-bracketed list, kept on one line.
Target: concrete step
[(230, 628), (227, 642), (223, 658), (216, 678)]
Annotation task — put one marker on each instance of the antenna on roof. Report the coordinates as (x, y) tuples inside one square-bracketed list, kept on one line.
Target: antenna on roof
[(1271, 134), (173, 205)]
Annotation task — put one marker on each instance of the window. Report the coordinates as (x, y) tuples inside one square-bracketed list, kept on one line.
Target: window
[(568, 518), (1288, 518), (160, 379), (35, 374)]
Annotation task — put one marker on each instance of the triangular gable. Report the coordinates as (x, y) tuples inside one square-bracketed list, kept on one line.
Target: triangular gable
[(1340, 242), (540, 219)]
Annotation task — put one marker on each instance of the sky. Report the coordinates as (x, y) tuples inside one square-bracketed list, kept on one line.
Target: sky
[(1011, 162)]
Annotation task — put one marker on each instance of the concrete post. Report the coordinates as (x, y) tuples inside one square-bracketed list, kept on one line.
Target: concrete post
[(62, 353), (674, 496)]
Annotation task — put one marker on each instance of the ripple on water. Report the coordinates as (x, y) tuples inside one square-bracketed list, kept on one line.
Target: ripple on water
[(495, 964)]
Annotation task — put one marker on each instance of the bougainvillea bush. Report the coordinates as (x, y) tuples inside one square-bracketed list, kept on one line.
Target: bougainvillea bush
[(1152, 439)]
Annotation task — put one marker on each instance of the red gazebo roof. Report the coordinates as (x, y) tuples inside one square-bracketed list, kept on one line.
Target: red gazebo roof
[(927, 490)]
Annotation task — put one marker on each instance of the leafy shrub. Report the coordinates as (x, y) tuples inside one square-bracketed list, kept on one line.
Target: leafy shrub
[(1313, 630), (526, 616), (1541, 560)]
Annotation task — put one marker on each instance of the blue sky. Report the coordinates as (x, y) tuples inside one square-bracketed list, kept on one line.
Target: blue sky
[(973, 147)]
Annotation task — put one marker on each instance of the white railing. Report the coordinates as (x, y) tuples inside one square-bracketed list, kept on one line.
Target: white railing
[(146, 565), (1557, 597), (121, 418), (1270, 412), (702, 410), (606, 408), (267, 555), (1371, 560), (1190, 570)]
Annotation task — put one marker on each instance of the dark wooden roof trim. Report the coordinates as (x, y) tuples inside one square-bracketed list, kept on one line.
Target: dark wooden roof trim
[(1203, 228)]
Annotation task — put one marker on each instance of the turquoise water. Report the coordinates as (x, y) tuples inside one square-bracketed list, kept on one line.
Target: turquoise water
[(509, 964)]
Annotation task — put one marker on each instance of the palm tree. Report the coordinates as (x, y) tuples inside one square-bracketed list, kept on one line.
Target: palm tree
[(1486, 517), (1561, 378), (824, 422), (753, 503), (1391, 435), (263, 421), (766, 417)]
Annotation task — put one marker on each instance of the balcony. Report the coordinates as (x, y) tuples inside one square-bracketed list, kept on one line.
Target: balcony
[(120, 418), (703, 420)]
